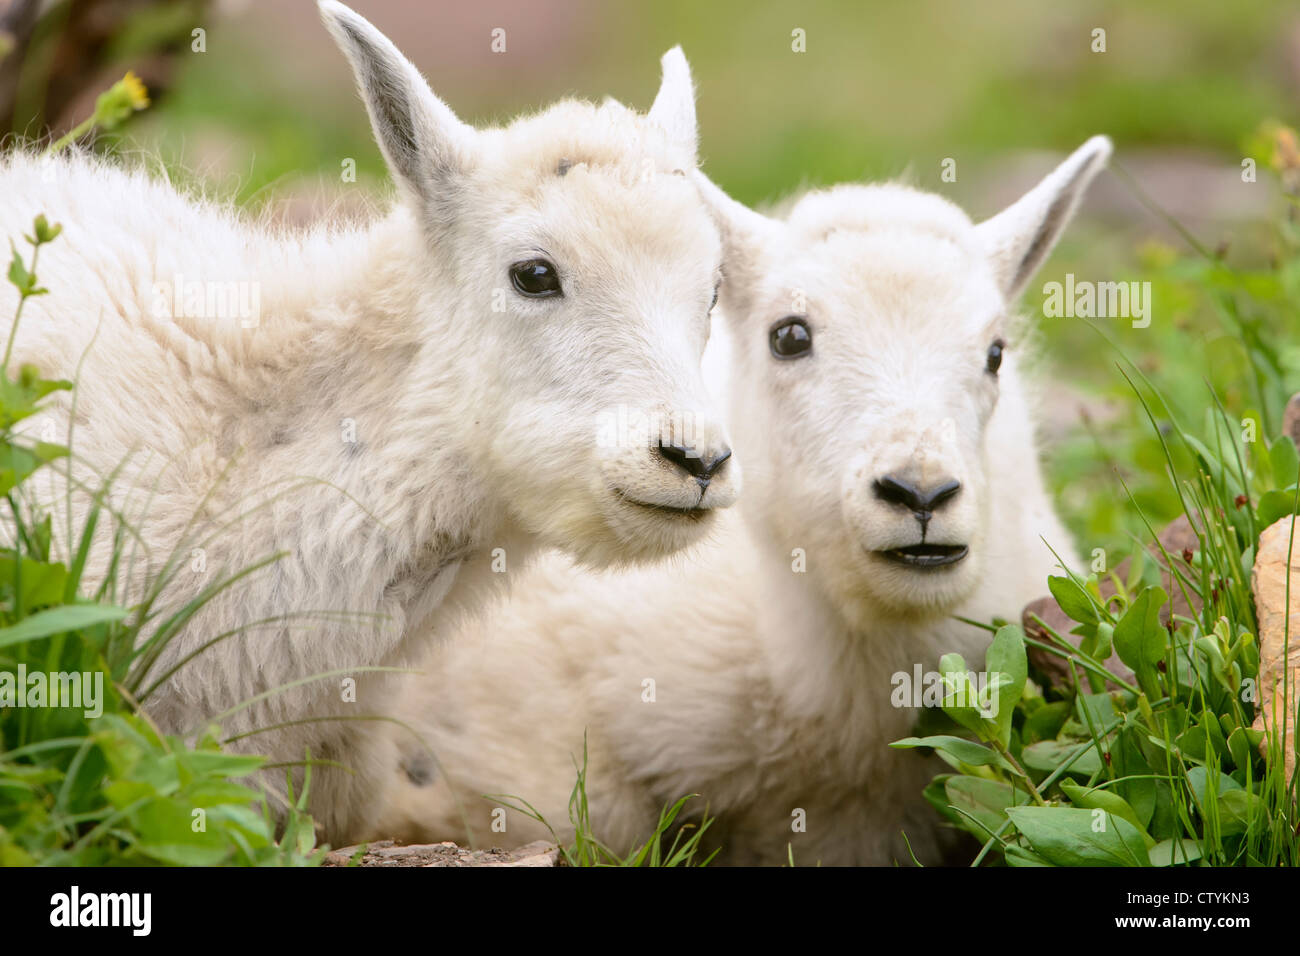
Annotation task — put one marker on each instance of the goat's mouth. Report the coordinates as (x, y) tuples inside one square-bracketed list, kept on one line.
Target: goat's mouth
[(693, 513), (926, 555)]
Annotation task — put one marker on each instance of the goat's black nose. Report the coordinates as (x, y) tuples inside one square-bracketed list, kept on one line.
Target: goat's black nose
[(920, 503), (701, 465)]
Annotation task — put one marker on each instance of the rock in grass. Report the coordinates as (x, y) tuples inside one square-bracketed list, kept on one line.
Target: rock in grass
[(1269, 584)]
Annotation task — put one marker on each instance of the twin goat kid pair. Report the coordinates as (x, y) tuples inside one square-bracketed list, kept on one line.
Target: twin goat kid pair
[(892, 484), (423, 394)]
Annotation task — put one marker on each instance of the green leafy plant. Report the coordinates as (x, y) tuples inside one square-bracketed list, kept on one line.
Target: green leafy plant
[(1164, 768), (99, 784), (1163, 772)]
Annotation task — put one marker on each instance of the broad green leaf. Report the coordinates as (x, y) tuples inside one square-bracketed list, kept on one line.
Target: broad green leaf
[(1095, 798), (59, 620), (1191, 742), (1006, 656), (1215, 740), (985, 800), (1070, 837), (1275, 504), (967, 751), (952, 662), (1174, 852), (1240, 749), (124, 793), (1047, 755), (211, 762), (1046, 722), (18, 274), (42, 582), (1097, 708), (1019, 856), (936, 794), (167, 834), (1140, 788), (1238, 808), (1285, 462), (18, 462), (1198, 779), (1140, 638), (19, 396), (254, 827), (1073, 600), (160, 771), (1209, 647)]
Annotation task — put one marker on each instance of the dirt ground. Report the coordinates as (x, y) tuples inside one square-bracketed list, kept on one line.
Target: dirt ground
[(388, 853)]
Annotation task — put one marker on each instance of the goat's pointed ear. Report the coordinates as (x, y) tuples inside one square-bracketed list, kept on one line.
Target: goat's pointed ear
[(674, 106), (421, 138), (746, 238), (1018, 239)]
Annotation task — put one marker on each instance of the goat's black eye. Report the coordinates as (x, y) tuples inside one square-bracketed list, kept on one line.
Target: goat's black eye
[(790, 338), (714, 303), (995, 356), (536, 278)]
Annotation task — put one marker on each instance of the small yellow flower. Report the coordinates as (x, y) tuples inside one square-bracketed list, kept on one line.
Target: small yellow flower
[(120, 100), (135, 89)]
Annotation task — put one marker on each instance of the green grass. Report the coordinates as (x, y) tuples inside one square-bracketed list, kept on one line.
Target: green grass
[(670, 842)]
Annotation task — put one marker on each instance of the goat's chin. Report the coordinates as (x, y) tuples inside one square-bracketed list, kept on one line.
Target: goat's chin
[(616, 533), (641, 534), (912, 592)]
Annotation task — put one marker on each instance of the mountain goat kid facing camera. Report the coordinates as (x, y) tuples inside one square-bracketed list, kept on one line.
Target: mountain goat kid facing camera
[(892, 485), (877, 403), (417, 396)]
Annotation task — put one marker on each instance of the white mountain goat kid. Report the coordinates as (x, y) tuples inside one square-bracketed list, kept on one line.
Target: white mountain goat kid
[(417, 399), (892, 482)]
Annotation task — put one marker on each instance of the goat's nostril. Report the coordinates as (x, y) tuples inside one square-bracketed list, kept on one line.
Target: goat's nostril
[(701, 465), (943, 493), (714, 464), (899, 492)]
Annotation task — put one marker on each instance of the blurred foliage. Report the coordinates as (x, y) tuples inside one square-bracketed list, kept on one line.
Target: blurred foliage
[(881, 87), (1225, 331)]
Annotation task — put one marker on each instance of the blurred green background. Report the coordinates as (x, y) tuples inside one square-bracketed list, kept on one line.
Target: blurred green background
[(882, 87), (266, 114)]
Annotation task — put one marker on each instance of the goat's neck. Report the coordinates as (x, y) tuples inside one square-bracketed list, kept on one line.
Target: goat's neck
[(371, 403), (824, 665)]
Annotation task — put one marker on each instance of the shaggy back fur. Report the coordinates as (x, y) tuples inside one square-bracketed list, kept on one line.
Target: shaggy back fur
[(760, 674), (395, 418)]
